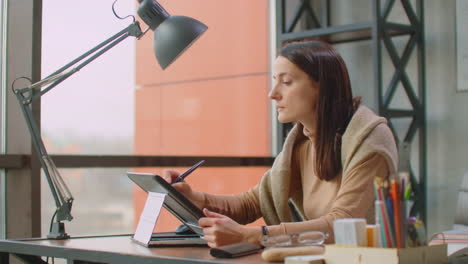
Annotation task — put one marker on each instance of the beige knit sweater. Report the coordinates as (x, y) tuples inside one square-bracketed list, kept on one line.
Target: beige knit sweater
[(368, 150)]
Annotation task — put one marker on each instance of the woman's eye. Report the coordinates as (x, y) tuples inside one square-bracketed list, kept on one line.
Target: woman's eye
[(287, 82)]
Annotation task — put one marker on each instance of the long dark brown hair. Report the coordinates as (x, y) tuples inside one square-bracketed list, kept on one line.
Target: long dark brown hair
[(335, 103)]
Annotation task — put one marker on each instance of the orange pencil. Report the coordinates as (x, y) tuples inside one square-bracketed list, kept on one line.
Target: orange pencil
[(394, 189)]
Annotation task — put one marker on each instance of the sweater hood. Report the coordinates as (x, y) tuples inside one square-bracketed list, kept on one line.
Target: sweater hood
[(359, 136)]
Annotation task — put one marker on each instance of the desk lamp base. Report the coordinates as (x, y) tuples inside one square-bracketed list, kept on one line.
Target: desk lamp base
[(58, 231)]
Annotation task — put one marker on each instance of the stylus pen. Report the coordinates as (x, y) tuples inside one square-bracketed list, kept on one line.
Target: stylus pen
[(185, 174)]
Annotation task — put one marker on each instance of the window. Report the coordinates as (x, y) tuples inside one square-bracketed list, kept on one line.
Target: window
[(211, 102), (92, 112), (103, 202)]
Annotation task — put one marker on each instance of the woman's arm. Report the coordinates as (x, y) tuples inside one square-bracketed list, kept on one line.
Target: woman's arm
[(244, 208), (354, 199), (223, 213)]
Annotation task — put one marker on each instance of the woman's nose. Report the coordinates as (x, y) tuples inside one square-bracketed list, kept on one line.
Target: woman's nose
[(273, 94)]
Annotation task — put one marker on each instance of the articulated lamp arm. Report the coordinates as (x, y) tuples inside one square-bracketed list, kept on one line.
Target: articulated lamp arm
[(174, 34), (25, 96)]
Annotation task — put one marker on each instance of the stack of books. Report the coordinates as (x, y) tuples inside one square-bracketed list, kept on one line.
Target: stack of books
[(451, 236), (457, 244)]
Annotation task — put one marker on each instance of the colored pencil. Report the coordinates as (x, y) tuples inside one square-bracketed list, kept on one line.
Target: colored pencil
[(387, 226), (394, 192)]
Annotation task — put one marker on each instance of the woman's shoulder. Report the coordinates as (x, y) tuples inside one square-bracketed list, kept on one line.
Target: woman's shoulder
[(368, 134), (364, 119), (362, 125), (369, 128), (380, 133)]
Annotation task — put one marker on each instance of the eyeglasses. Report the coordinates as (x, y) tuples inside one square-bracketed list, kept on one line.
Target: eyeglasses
[(310, 238)]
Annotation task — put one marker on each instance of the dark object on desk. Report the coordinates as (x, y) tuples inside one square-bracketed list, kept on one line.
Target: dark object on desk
[(184, 230), (175, 202), (235, 250), (172, 239)]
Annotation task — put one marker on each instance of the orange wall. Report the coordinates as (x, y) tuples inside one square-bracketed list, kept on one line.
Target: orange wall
[(212, 117), (211, 101)]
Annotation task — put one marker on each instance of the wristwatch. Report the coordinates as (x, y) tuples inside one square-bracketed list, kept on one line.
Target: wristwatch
[(264, 232)]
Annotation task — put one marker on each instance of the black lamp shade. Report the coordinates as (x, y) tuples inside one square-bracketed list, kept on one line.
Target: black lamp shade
[(173, 36)]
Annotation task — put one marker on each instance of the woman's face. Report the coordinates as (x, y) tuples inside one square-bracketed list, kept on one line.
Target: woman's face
[(294, 92)]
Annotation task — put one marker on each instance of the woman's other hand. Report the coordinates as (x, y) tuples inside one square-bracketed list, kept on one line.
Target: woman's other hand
[(221, 230)]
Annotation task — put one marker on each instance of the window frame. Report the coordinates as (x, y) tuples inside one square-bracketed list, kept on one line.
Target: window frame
[(17, 157)]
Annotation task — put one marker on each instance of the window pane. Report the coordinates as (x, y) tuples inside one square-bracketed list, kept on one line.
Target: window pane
[(213, 99), (103, 202), (215, 94), (107, 202), (92, 111)]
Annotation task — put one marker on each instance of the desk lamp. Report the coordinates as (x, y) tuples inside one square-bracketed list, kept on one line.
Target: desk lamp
[(172, 36)]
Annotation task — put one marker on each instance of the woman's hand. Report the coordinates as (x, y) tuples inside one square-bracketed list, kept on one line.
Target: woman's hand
[(221, 230), (170, 175), (195, 197)]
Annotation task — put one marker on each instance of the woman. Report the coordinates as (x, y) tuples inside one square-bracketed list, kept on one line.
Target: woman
[(328, 162)]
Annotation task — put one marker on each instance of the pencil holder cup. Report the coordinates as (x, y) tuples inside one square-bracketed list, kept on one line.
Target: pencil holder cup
[(350, 231)]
